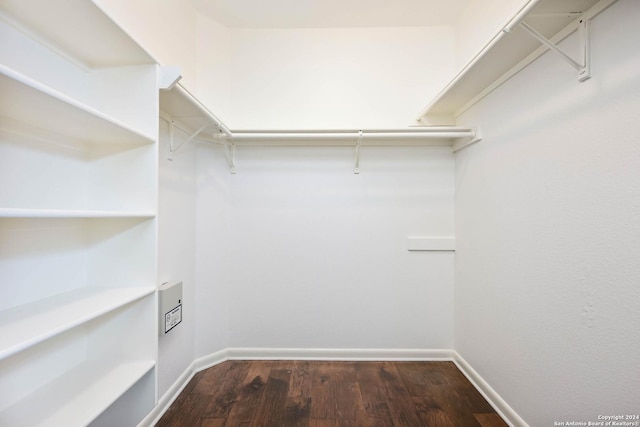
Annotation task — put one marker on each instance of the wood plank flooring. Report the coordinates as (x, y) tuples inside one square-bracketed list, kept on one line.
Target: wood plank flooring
[(330, 394)]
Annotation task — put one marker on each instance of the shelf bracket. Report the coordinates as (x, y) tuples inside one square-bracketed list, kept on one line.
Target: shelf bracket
[(460, 143), (356, 168), (172, 126), (174, 148), (230, 153), (583, 65)]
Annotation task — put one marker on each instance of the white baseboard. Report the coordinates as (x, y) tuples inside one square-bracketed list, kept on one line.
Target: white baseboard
[(205, 362), (499, 404), (168, 398), (338, 354), (494, 399)]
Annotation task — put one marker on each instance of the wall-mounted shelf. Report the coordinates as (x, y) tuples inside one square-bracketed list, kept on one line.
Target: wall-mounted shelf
[(179, 106), (57, 213), (78, 231), (30, 324), (75, 29), (27, 103), (431, 244), (180, 109), (78, 396), (511, 50)]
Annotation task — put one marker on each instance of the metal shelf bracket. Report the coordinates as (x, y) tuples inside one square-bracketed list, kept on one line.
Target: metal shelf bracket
[(583, 65), (230, 153), (356, 168), (173, 148), (460, 143)]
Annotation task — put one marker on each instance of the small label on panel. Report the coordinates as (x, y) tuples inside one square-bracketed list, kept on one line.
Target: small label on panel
[(172, 318)]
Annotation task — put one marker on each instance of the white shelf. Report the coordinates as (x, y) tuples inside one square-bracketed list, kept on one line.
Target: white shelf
[(30, 324), (180, 105), (77, 29), (508, 53), (28, 101), (56, 213), (77, 397)]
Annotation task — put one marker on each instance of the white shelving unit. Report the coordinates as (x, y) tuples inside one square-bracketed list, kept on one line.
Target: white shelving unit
[(78, 201), (78, 396), (511, 50), (30, 324), (56, 213)]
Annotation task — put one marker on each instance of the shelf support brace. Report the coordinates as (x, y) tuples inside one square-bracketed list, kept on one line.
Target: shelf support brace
[(460, 143), (172, 126), (584, 65), (230, 152), (174, 148), (356, 169)]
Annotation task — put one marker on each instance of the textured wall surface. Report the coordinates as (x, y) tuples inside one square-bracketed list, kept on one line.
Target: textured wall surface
[(177, 253), (313, 256), (548, 233)]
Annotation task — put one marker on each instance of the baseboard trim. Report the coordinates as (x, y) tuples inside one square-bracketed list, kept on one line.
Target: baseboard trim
[(169, 397), (199, 364), (210, 360), (338, 354), (510, 416)]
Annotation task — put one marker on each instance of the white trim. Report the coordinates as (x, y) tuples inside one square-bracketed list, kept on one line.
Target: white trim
[(499, 404), (174, 391), (205, 362), (338, 354), (168, 398)]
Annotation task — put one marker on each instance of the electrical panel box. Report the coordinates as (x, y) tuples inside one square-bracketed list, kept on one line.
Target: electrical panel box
[(170, 303)]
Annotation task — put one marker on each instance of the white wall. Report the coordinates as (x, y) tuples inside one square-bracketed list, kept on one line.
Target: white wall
[(177, 253), (480, 22), (213, 250), (548, 233), (166, 29), (335, 78), (314, 256), (213, 70)]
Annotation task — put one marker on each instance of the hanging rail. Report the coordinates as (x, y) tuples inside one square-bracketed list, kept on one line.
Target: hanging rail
[(389, 135)]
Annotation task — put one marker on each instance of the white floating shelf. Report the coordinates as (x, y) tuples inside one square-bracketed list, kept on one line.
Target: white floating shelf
[(28, 101), (61, 213), (77, 397), (511, 50), (431, 243), (30, 324), (77, 29)]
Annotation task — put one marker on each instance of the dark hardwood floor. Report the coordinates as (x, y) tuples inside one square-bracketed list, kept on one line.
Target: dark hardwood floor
[(330, 394)]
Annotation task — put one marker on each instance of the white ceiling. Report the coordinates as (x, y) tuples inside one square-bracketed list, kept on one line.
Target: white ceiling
[(331, 13)]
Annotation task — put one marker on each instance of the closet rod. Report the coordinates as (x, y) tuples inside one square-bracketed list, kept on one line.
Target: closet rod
[(399, 135)]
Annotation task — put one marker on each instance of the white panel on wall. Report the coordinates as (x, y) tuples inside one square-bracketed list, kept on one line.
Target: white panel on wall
[(431, 243), (547, 233)]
